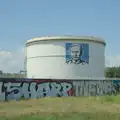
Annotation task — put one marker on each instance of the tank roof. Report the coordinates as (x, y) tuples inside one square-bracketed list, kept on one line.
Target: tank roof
[(67, 37)]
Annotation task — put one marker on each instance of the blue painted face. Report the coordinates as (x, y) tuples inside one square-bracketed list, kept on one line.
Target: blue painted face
[(75, 52)]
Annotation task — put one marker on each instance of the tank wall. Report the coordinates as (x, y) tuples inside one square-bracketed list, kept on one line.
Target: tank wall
[(48, 60)]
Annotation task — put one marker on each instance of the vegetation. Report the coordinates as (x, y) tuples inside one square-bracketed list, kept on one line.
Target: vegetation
[(69, 108), (11, 75), (112, 72)]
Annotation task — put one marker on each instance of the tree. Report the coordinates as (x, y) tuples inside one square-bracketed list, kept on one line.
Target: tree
[(112, 72), (1, 72)]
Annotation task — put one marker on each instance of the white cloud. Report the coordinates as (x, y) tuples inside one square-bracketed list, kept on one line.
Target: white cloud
[(112, 61), (12, 62)]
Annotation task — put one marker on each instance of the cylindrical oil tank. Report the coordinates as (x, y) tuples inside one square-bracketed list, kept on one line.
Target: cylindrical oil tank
[(65, 57)]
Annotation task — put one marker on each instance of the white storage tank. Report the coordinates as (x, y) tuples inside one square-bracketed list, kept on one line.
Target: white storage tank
[(65, 57)]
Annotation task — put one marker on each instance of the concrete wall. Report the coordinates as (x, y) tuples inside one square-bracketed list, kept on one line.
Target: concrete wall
[(16, 89), (54, 57)]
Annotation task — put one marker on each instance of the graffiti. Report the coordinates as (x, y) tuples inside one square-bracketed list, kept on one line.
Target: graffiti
[(96, 87), (16, 89), (116, 84), (34, 89), (77, 53)]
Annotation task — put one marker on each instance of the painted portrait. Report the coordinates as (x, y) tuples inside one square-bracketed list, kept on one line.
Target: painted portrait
[(77, 53)]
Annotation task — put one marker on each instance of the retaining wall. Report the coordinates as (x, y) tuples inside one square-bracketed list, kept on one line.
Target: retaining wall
[(16, 89)]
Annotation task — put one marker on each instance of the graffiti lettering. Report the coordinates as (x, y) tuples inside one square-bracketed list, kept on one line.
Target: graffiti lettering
[(96, 87), (16, 91), (26, 89)]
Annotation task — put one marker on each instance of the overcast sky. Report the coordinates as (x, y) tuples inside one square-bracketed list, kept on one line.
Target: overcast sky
[(21, 20)]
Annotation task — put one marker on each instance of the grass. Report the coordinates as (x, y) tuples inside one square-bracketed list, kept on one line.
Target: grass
[(65, 108)]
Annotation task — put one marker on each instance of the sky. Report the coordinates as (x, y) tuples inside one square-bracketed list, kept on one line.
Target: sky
[(21, 20)]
